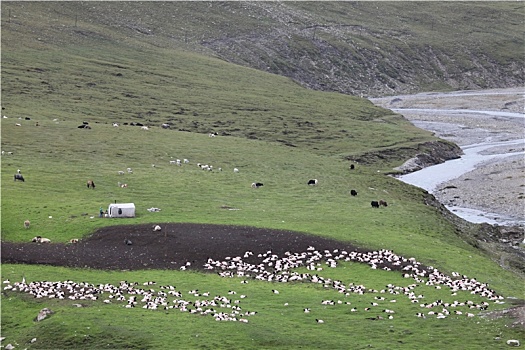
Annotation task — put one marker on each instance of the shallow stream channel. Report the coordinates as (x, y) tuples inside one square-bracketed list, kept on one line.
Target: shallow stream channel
[(487, 184)]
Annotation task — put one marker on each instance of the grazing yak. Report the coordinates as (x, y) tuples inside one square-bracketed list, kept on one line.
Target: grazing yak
[(19, 177), (353, 192), (257, 184), (374, 204), (312, 182), (91, 184), (383, 203)]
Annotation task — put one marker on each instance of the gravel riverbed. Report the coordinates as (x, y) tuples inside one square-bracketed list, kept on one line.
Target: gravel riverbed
[(495, 187)]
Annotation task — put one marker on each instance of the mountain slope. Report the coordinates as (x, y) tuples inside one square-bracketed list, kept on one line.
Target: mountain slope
[(359, 48), (106, 70)]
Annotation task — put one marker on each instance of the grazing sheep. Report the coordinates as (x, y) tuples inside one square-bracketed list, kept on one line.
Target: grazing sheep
[(39, 239), (18, 124), (73, 241), (313, 182), (27, 223), (115, 125), (165, 126), (144, 128), (130, 171), (235, 170), (157, 228), (43, 314), (121, 172), (186, 161)]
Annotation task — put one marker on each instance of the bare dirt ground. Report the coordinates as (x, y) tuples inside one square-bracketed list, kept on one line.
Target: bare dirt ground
[(170, 248)]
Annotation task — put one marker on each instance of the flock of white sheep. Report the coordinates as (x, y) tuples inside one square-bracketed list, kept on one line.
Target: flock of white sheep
[(284, 269)]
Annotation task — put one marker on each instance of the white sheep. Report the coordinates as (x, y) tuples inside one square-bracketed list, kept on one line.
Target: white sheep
[(121, 172), (27, 223), (39, 239), (130, 170), (115, 125), (186, 161), (157, 228), (235, 170), (144, 128)]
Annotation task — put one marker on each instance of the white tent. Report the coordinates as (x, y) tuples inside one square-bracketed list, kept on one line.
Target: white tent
[(121, 210)]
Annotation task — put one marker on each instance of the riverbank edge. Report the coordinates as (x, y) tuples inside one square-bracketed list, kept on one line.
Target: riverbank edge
[(504, 244)]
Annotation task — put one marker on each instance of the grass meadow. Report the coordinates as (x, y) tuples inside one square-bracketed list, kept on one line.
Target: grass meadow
[(56, 159), (274, 132)]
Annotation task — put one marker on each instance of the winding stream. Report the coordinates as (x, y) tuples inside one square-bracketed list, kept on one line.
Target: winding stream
[(429, 178), (485, 135)]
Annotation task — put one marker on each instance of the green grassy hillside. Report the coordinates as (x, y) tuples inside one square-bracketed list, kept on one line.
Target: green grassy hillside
[(58, 73), (116, 83), (57, 158)]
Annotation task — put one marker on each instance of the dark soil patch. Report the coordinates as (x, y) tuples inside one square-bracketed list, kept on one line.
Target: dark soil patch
[(170, 248)]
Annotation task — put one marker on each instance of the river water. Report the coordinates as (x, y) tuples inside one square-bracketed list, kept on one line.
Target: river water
[(495, 135)]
